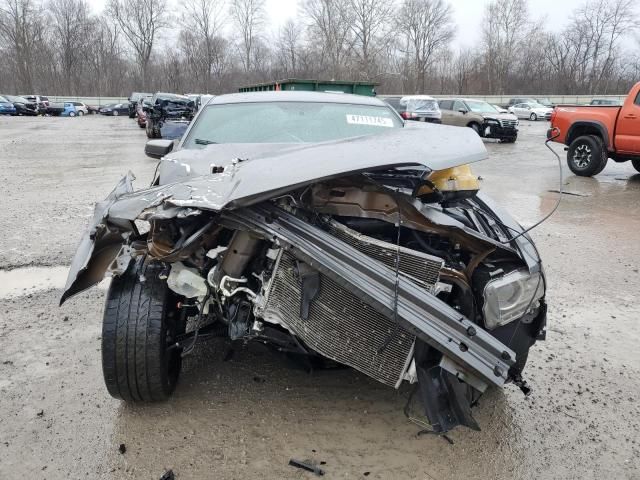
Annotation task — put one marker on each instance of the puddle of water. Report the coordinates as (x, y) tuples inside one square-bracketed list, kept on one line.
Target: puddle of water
[(27, 280)]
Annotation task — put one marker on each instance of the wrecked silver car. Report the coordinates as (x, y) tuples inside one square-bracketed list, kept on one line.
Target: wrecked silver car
[(325, 226)]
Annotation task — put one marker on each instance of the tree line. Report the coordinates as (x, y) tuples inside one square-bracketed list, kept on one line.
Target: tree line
[(61, 47)]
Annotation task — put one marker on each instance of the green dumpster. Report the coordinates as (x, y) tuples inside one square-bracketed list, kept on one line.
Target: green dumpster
[(339, 86)]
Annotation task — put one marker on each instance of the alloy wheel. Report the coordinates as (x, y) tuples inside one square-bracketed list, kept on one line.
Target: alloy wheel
[(582, 156)]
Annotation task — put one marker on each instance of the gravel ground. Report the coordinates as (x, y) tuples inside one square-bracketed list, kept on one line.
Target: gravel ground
[(246, 416)]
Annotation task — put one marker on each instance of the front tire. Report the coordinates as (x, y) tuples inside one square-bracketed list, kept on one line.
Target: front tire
[(140, 324), (80, 113), (587, 156), (115, 113), (533, 117), (475, 127), (72, 114)]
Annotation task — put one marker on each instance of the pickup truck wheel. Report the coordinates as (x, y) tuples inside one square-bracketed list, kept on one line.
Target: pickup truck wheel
[(636, 164), (587, 156), (533, 117), (140, 325)]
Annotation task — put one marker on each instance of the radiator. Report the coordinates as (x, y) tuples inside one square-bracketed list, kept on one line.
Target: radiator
[(342, 327)]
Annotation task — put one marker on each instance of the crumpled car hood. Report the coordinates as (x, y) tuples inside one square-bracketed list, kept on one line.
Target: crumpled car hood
[(434, 147), (188, 184)]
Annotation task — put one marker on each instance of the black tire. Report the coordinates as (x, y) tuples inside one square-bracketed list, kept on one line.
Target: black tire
[(80, 113), (636, 164), (140, 322), (533, 117), (115, 113), (509, 140), (587, 156)]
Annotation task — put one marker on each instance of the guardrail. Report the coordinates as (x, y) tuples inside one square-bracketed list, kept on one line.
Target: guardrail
[(493, 99), (504, 99), (88, 100)]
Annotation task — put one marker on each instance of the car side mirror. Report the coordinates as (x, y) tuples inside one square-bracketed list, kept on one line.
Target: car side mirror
[(158, 148), (463, 111)]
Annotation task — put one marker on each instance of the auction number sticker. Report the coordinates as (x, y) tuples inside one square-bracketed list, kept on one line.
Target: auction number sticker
[(369, 120)]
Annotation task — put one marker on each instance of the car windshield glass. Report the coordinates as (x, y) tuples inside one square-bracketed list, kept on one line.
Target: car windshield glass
[(288, 122), (480, 107), (2, 99)]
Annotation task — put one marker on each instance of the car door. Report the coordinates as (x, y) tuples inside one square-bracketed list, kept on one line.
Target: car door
[(459, 118), (446, 111), (628, 127), (522, 110)]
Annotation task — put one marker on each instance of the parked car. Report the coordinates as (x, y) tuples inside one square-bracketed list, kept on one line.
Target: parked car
[(6, 107), (41, 101), (605, 101), (168, 111), (531, 111), (421, 108), (54, 109), (22, 105), (93, 109), (544, 101), (275, 220), (517, 100), (81, 108), (115, 109), (593, 134), (483, 118), (133, 102), (69, 110), (141, 114)]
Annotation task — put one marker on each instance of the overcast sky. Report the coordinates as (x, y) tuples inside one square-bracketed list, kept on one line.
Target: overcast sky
[(467, 14)]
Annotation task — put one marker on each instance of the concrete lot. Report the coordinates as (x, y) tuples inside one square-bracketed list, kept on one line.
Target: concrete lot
[(245, 417)]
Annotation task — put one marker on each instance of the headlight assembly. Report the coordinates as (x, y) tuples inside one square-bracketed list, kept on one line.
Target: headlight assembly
[(507, 298)]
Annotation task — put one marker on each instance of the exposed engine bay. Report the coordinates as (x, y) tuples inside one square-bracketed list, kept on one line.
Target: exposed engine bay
[(403, 274)]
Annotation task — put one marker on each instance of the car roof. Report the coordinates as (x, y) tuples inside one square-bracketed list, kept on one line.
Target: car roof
[(292, 96), (459, 99), (418, 97)]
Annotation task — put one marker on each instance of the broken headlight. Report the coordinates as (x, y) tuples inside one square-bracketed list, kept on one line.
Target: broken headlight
[(510, 297)]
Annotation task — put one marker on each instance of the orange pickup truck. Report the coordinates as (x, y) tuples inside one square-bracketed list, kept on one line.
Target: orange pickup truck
[(593, 134)]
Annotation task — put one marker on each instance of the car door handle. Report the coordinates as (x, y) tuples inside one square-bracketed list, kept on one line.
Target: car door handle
[(630, 116)]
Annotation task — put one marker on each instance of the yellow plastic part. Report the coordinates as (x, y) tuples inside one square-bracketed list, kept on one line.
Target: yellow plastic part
[(456, 179)]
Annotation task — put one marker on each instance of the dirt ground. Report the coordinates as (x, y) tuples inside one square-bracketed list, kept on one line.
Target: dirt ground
[(246, 416)]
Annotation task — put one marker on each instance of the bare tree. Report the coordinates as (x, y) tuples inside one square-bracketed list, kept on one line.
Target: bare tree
[(202, 22), (249, 16), (70, 36), (140, 21), (289, 44), (505, 27), (21, 31), (371, 26), (426, 27), (107, 67), (463, 67), (330, 31)]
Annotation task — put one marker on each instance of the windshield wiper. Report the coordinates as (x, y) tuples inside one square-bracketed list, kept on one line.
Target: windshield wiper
[(202, 141)]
